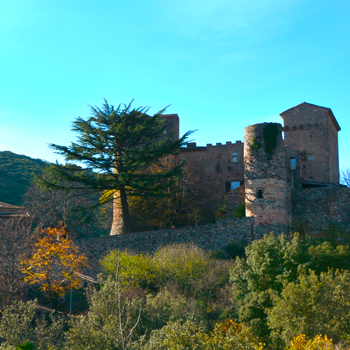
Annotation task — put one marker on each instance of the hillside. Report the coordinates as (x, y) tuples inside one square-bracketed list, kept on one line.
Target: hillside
[(16, 174)]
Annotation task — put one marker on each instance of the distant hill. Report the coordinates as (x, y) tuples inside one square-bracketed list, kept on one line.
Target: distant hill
[(16, 174)]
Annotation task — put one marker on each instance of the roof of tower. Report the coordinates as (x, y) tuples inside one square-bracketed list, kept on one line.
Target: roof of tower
[(329, 112)]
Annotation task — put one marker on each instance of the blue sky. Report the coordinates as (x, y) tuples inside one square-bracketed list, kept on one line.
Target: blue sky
[(221, 65)]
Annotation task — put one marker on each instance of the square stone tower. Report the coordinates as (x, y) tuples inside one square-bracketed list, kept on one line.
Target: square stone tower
[(312, 131)]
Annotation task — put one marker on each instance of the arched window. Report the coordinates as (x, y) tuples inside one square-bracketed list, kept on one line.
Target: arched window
[(259, 193)]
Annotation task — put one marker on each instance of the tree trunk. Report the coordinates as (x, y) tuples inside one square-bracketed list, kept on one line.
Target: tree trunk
[(125, 209), (118, 222)]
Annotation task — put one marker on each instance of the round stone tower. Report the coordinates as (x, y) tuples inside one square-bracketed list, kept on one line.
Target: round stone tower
[(265, 174)]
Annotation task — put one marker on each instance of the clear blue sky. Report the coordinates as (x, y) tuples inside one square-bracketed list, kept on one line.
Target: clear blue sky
[(220, 64)]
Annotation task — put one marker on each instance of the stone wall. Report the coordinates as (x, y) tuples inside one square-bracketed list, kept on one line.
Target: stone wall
[(317, 208), (234, 199), (208, 237), (213, 168), (312, 130)]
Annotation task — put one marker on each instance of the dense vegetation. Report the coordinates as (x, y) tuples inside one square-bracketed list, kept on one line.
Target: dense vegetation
[(16, 175), (279, 294)]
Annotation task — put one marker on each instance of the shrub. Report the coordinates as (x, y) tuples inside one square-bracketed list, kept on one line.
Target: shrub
[(135, 269), (239, 211), (110, 322), (236, 248), (25, 346), (190, 335), (318, 343), (16, 325), (180, 265), (271, 262), (312, 305)]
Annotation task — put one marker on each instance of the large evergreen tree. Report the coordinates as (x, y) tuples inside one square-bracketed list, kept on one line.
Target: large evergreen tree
[(119, 145)]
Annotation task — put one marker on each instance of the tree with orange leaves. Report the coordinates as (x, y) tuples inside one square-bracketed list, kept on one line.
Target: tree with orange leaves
[(53, 264)]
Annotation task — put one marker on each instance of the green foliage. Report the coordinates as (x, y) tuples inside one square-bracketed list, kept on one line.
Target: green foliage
[(191, 335), (21, 327), (270, 263), (270, 133), (16, 175), (177, 264), (136, 269), (185, 269), (167, 306), (312, 305), (110, 321), (236, 248), (220, 213), (181, 265), (25, 346), (119, 145), (255, 144), (16, 322), (239, 211), (318, 343), (101, 328)]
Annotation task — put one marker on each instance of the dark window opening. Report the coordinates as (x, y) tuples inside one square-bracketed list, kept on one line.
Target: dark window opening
[(293, 163), (235, 184), (259, 193)]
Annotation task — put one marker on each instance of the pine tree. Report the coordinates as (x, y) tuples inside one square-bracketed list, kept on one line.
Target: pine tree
[(118, 146)]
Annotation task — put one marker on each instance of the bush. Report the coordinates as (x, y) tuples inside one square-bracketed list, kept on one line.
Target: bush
[(190, 335), (273, 261), (110, 322), (178, 265), (25, 346), (236, 248), (135, 269), (18, 326), (312, 305), (318, 343)]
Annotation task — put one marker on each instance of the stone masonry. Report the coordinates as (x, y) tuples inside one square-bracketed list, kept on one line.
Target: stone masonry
[(293, 185)]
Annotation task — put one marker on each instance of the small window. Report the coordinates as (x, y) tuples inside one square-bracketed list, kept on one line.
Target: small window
[(293, 163), (234, 184), (311, 137), (310, 156), (235, 157), (259, 193)]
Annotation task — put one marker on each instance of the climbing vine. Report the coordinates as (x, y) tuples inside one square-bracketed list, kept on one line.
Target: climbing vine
[(270, 133), (255, 144)]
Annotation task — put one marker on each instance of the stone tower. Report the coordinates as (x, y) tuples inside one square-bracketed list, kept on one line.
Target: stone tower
[(265, 174), (312, 131)]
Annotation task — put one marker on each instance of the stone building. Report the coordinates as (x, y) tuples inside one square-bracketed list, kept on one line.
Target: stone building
[(287, 183), (274, 172)]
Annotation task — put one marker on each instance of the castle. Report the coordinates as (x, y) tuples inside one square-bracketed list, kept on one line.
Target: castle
[(283, 181), (276, 177), (288, 183)]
